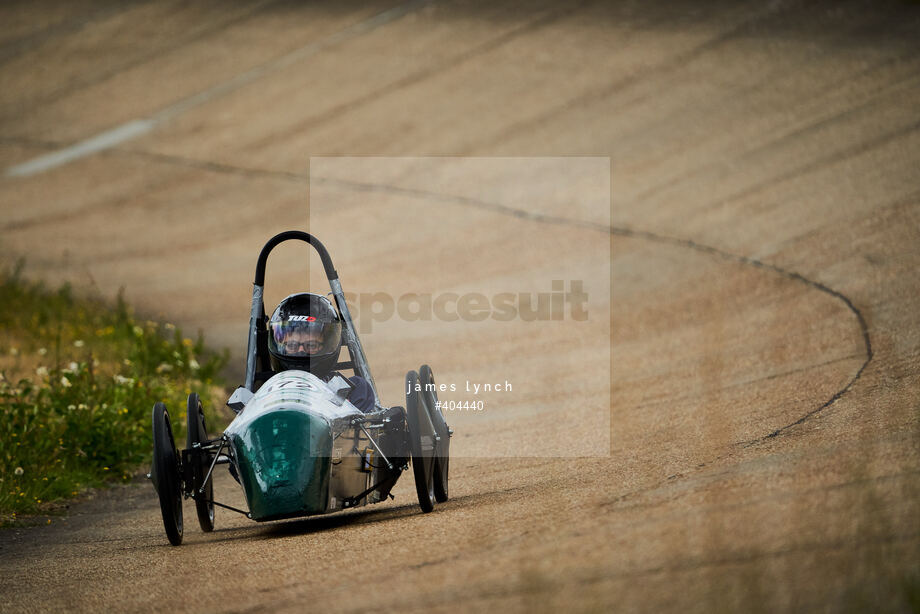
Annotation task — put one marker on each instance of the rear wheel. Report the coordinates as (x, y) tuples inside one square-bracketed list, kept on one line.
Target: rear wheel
[(198, 434), (442, 432), (421, 443), (165, 474)]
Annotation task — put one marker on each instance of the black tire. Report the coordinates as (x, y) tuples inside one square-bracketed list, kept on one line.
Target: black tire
[(420, 444), (165, 474), (442, 446), (198, 434)]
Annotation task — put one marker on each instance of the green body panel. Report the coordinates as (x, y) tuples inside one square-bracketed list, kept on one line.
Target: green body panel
[(283, 457)]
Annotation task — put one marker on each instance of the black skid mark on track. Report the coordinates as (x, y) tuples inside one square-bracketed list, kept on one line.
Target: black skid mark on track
[(606, 89), (77, 85), (424, 74), (16, 47), (791, 275)]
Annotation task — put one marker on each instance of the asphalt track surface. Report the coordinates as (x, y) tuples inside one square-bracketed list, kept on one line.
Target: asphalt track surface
[(762, 241)]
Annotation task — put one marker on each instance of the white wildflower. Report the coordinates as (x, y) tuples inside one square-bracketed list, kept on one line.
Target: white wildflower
[(164, 367), (120, 379), (138, 331), (193, 364), (41, 371), (65, 382), (18, 471), (78, 343), (71, 407), (42, 351)]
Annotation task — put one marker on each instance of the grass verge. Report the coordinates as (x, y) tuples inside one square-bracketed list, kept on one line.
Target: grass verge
[(78, 380)]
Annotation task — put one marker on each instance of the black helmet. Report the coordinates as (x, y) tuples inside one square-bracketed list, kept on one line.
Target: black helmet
[(305, 333)]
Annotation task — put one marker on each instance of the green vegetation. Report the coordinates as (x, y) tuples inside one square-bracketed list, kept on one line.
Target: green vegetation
[(78, 380)]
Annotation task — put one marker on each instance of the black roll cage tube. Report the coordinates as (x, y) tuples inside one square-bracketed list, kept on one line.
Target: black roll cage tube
[(257, 313)]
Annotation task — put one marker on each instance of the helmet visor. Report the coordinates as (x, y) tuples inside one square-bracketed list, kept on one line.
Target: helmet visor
[(304, 336)]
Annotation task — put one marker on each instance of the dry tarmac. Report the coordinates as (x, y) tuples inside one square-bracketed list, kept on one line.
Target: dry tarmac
[(752, 351)]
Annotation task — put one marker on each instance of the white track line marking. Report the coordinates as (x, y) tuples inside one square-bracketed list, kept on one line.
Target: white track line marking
[(103, 140), (137, 127)]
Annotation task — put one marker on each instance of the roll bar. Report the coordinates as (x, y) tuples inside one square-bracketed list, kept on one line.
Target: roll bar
[(257, 312), (331, 273)]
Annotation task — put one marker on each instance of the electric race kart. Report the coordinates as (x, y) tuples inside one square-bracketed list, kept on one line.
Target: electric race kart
[(297, 446)]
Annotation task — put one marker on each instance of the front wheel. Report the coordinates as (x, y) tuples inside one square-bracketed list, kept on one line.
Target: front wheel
[(421, 443), (441, 430), (165, 474), (197, 435)]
